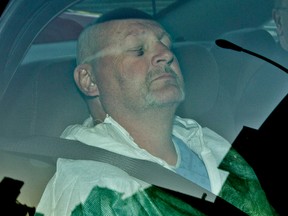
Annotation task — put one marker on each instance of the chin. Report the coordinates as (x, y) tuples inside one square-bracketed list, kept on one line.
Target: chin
[(166, 100), (169, 95)]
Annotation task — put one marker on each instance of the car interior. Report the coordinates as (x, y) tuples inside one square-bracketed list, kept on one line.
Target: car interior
[(226, 90)]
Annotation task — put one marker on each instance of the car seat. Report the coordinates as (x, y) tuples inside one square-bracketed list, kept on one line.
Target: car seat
[(201, 79), (236, 69), (45, 100), (204, 100)]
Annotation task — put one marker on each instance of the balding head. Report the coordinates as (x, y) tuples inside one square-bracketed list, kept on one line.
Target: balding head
[(94, 37)]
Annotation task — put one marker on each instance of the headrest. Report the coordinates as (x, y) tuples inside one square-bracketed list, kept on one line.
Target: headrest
[(253, 39), (201, 78), (54, 31), (42, 100), (236, 68)]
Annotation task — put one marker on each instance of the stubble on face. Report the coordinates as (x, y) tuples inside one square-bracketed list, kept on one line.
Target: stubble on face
[(174, 87)]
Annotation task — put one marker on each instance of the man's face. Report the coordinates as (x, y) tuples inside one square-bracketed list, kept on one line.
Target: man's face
[(135, 69)]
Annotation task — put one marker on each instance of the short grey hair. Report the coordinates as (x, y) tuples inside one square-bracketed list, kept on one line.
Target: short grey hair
[(87, 44)]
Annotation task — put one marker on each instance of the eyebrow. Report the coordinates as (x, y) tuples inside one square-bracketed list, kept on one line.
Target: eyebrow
[(134, 32), (164, 33)]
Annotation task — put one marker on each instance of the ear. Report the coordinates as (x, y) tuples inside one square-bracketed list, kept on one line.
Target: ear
[(83, 77)]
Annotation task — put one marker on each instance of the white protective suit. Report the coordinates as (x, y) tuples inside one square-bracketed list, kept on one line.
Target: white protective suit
[(74, 179)]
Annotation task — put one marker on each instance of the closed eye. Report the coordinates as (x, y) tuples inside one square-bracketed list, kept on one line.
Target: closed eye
[(138, 51)]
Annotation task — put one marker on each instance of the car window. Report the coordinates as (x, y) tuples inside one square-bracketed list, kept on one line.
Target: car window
[(227, 91)]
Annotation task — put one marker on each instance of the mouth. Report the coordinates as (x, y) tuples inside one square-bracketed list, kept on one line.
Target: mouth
[(164, 76)]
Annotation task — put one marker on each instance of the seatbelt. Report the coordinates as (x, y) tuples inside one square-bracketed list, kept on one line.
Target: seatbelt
[(150, 172)]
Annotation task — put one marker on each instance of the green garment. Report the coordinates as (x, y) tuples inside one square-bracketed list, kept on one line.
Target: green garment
[(242, 188), (149, 202)]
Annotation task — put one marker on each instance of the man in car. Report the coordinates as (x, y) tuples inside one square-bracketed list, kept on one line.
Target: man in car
[(133, 86)]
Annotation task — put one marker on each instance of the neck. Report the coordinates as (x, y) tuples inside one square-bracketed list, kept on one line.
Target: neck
[(152, 131)]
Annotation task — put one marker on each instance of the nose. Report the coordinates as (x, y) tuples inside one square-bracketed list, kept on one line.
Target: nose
[(163, 55)]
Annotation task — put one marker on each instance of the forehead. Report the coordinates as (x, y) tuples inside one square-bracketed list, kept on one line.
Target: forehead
[(113, 35), (121, 29)]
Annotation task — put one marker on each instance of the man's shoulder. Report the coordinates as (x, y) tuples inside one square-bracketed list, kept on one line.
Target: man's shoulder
[(191, 126), (201, 138), (73, 129)]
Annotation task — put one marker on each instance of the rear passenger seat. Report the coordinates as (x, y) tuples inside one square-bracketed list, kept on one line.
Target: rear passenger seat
[(254, 86), (47, 103), (49, 95), (201, 78), (205, 101), (223, 102)]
